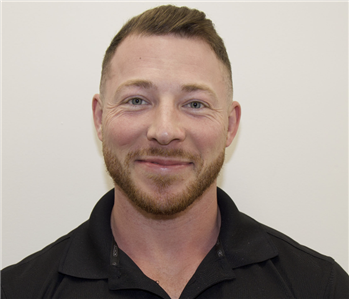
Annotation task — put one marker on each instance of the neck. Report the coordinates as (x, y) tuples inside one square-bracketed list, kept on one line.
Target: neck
[(140, 234), (167, 249)]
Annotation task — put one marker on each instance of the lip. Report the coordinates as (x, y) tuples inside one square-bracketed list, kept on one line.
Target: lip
[(163, 163)]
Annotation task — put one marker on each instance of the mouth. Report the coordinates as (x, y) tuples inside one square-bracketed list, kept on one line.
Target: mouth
[(163, 164), (163, 161)]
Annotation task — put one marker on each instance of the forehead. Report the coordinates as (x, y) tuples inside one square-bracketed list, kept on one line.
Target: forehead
[(166, 59)]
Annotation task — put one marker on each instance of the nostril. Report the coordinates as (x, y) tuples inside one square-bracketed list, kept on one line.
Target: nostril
[(165, 125), (165, 134)]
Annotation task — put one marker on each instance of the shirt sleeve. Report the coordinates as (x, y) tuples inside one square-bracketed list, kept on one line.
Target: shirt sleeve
[(338, 284), (3, 296)]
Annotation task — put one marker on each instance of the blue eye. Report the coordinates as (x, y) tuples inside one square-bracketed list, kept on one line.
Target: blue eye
[(196, 105), (136, 101)]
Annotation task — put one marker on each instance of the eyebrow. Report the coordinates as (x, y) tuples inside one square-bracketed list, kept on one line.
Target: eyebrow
[(199, 87), (135, 83), (149, 85)]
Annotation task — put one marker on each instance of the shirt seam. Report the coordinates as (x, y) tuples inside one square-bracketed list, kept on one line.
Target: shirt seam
[(328, 289), (3, 295), (39, 253), (305, 250)]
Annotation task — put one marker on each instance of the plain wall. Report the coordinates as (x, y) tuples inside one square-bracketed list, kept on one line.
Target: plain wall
[(287, 168)]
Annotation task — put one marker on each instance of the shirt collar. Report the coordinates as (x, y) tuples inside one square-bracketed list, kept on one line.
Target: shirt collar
[(88, 254), (243, 239)]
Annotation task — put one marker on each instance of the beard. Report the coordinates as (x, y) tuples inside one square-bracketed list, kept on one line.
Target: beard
[(163, 202)]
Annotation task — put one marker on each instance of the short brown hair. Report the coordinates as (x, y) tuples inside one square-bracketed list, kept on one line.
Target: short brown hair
[(169, 19)]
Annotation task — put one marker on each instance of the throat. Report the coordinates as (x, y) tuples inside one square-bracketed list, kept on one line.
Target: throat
[(168, 251)]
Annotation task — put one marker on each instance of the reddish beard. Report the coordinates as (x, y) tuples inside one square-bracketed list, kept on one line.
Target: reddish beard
[(162, 202)]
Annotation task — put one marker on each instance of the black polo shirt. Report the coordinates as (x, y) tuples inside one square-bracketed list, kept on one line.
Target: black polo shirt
[(249, 260)]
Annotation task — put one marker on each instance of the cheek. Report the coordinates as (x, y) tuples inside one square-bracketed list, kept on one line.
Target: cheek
[(122, 132), (210, 139)]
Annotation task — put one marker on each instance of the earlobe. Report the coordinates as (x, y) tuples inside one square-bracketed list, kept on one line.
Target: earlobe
[(97, 109), (233, 122)]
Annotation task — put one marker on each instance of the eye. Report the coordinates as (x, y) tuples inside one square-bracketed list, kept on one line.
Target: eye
[(195, 105), (137, 101)]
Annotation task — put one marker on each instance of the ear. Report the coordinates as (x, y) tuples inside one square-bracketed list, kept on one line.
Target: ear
[(233, 122), (97, 108)]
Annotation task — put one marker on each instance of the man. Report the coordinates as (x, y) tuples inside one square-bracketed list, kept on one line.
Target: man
[(165, 115)]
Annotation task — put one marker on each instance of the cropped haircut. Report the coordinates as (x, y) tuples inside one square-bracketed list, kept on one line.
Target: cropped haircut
[(165, 20)]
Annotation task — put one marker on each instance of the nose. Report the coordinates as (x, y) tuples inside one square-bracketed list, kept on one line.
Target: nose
[(166, 126)]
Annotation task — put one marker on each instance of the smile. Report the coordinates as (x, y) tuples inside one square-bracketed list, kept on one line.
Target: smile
[(162, 163)]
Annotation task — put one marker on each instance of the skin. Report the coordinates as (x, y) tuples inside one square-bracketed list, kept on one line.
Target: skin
[(169, 94)]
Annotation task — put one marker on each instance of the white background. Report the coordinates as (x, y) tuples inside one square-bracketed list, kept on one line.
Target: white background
[(287, 168)]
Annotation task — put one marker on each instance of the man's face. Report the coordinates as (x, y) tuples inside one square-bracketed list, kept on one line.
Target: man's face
[(165, 120)]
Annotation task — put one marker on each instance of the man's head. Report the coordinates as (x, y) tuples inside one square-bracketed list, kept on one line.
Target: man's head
[(165, 20), (164, 119)]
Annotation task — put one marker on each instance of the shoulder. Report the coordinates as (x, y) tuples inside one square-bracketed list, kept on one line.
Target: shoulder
[(41, 257), (287, 247), (23, 278), (308, 268)]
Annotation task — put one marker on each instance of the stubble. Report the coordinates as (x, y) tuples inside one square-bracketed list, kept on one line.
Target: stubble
[(163, 202)]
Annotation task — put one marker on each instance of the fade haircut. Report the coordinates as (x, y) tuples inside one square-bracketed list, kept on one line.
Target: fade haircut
[(169, 19)]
